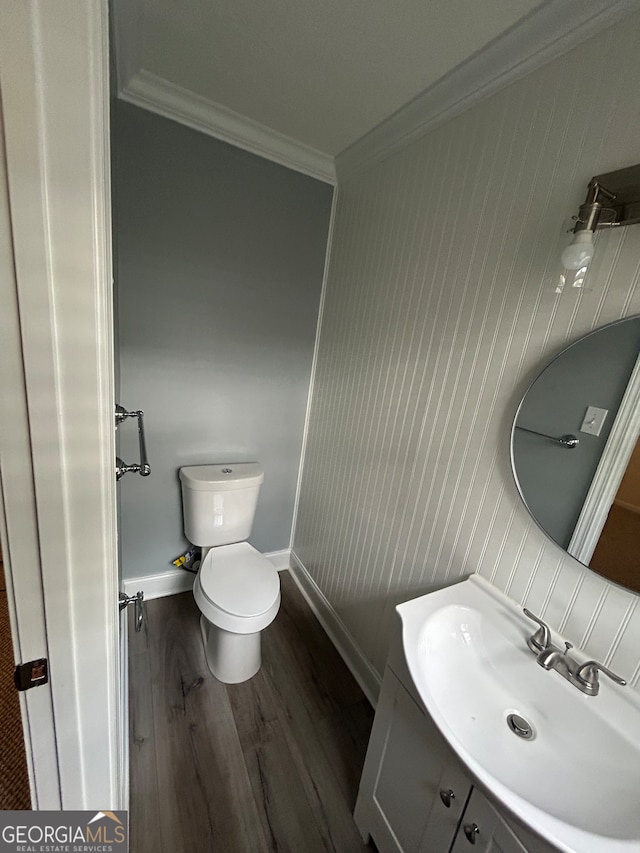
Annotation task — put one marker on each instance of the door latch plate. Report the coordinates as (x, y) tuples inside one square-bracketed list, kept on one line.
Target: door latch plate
[(31, 674)]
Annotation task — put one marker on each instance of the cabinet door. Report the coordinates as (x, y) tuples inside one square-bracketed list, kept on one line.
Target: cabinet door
[(484, 830), (404, 772), (447, 807), (408, 775)]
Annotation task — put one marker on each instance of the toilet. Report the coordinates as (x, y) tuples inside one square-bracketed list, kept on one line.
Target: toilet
[(236, 588)]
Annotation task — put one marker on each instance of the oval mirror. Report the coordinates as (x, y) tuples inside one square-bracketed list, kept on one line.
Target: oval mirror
[(574, 451)]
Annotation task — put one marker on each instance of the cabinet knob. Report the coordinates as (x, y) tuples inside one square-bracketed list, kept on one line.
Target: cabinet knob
[(471, 830), (446, 797)]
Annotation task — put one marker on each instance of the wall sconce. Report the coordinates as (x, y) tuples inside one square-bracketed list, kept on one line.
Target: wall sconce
[(612, 199)]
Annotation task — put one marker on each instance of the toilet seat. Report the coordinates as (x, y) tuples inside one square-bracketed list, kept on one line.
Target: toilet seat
[(239, 580), (237, 588)]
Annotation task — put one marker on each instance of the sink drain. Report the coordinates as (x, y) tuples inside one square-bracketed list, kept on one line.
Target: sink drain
[(520, 726)]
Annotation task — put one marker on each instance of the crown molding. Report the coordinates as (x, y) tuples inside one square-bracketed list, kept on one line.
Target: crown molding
[(546, 33), (153, 93)]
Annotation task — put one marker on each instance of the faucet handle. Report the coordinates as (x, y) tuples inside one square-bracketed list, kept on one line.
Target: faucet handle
[(542, 637), (587, 675)]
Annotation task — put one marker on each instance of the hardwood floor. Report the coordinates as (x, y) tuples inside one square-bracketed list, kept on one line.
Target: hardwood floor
[(269, 765)]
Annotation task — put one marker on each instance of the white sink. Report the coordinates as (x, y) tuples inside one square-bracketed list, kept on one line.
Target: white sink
[(577, 780)]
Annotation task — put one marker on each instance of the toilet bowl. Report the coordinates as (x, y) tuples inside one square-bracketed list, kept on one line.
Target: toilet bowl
[(236, 589), (238, 593)]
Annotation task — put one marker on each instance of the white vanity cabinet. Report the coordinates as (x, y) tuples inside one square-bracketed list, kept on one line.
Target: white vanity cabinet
[(415, 796)]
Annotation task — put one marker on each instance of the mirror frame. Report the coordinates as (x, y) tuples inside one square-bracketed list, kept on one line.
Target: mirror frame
[(512, 430)]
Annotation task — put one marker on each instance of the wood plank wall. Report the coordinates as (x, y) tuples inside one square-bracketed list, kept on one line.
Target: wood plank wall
[(439, 309)]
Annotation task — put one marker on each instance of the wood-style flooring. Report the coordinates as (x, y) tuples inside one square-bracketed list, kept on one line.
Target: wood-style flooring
[(269, 765)]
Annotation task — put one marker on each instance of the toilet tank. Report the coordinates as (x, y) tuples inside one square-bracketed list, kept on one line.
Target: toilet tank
[(219, 502)]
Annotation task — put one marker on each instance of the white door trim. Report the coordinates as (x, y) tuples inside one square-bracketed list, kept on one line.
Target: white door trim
[(54, 83), (609, 473)]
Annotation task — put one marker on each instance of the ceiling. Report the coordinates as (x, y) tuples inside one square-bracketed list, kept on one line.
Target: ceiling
[(313, 75)]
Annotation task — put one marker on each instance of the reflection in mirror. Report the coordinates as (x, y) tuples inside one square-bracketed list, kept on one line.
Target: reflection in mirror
[(586, 495)]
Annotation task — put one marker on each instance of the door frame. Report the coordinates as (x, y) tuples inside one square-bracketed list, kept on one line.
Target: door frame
[(609, 473), (55, 102)]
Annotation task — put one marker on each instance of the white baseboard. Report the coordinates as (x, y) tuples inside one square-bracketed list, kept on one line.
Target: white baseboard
[(627, 506), (366, 676), (280, 559), (174, 581), (170, 582)]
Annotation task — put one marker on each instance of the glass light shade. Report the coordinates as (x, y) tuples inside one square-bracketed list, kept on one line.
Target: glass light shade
[(579, 252)]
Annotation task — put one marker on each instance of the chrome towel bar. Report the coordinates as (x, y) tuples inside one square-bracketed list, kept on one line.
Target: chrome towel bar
[(137, 600), (143, 468), (569, 441)]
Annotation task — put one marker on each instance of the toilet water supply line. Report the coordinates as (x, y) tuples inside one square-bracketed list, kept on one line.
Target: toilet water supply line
[(190, 560)]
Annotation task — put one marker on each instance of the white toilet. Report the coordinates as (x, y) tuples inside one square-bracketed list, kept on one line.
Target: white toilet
[(236, 588)]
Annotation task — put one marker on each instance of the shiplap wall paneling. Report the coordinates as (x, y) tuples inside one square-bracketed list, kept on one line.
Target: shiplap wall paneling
[(440, 307)]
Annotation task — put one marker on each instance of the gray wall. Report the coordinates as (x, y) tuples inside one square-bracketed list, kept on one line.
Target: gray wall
[(593, 372), (220, 259)]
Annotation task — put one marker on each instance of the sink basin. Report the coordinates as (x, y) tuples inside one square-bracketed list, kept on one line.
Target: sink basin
[(575, 778)]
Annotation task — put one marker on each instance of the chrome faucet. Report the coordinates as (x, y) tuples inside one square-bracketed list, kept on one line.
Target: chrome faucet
[(552, 658), (583, 676)]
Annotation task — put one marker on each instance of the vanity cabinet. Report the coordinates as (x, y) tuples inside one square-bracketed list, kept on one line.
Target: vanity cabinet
[(415, 796)]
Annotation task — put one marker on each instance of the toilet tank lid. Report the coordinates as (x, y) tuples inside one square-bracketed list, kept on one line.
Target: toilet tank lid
[(218, 478)]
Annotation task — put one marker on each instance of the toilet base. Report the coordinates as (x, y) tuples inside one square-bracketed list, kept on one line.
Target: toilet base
[(232, 658)]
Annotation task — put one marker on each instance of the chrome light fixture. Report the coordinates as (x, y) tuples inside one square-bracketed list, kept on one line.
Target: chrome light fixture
[(592, 213), (612, 199)]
